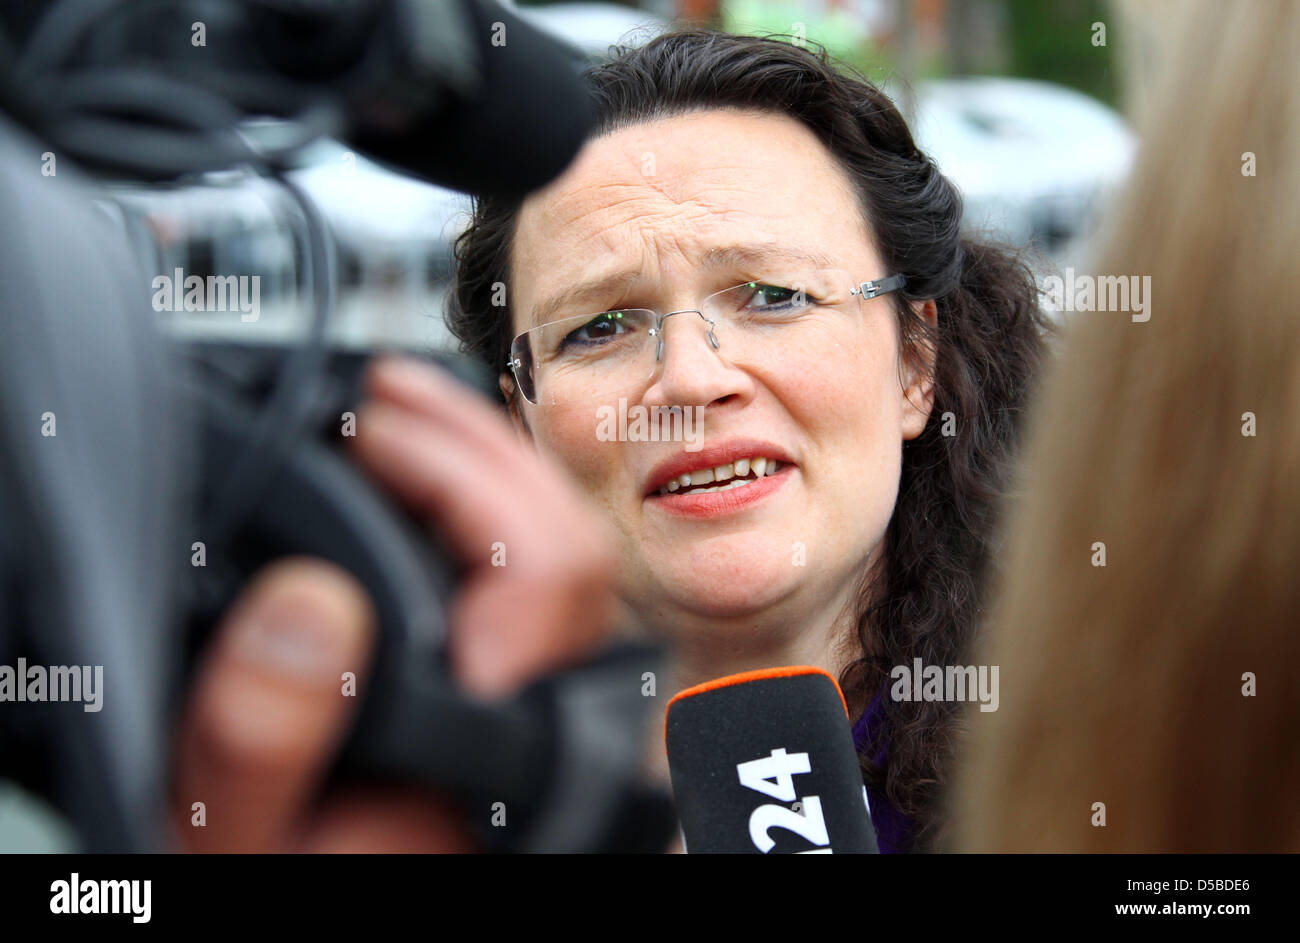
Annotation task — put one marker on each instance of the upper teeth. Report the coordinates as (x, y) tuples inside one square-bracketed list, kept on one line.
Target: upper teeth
[(738, 470)]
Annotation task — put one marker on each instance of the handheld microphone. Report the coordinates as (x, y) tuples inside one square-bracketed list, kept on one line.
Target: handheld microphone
[(763, 762)]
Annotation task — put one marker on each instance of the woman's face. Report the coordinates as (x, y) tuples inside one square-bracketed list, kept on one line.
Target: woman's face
[(761, 562)]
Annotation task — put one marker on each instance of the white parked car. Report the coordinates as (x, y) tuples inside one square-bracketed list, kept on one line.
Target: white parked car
[(1034, 161)]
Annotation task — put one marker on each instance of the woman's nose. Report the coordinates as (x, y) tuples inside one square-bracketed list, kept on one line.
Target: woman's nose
[(663, 323), (692, 368)]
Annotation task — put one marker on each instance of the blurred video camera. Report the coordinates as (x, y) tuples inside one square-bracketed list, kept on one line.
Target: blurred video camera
[(151, 460)]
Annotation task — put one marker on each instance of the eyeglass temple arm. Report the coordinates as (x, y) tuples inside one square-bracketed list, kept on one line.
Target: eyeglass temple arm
[(880, 286)]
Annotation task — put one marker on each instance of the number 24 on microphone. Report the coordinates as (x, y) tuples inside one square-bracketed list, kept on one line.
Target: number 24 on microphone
[(774, 776)]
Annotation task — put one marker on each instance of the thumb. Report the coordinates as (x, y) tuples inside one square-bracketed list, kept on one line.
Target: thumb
[(269, 707)]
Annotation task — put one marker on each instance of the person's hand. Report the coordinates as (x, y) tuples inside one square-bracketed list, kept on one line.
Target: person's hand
[(266, 713), (540, 585)]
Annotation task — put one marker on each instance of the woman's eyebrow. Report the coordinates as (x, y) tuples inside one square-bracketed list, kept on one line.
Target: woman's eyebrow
[(721, 257), (597, 287), (762, 253)]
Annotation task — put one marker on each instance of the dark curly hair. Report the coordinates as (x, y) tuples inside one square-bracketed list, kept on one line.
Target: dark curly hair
[(924, 598)]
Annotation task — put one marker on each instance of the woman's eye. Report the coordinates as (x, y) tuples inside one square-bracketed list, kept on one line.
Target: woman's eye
[(597, 330), (775, 298)]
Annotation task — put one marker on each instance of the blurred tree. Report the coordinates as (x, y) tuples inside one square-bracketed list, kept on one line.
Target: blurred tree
[(975, 37), (1054, 42)]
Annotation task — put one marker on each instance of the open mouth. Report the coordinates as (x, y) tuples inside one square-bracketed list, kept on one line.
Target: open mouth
[(727, 477)]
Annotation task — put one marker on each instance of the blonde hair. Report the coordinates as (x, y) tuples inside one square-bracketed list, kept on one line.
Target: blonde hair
[(1126, 684)]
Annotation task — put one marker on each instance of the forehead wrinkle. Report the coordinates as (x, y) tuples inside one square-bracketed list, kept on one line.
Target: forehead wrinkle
[(694, 203), (651, 235), (586, 193), (613, 280)]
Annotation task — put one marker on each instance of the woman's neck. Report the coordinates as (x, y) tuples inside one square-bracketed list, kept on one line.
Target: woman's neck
[(830, 644)]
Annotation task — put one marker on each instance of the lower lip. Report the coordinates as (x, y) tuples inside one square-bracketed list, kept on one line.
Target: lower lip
[(717, 503)]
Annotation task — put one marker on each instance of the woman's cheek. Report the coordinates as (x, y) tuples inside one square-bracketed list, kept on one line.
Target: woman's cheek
[(568, 436), (852, 425)]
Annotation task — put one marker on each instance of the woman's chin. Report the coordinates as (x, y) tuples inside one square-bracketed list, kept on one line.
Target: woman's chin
[(728, 592)]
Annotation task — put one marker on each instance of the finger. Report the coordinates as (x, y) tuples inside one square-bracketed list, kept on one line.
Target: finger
[(424, 391), (508, 631), (267, 708), (431, 394), (477, 502), (427, 390), (390, 821), (547, 600)]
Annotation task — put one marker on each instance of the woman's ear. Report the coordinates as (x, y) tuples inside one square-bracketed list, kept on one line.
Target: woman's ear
[(510, 392), (917, 375)]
